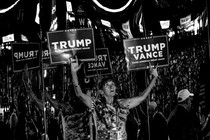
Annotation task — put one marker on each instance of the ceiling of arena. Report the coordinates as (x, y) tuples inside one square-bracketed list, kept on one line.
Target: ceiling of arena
[(19, 15)]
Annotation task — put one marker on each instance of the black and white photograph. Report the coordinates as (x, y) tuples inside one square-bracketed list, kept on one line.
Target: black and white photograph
[(104, 70)]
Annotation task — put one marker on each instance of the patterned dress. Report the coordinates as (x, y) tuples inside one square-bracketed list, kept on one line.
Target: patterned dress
[(111, 120)]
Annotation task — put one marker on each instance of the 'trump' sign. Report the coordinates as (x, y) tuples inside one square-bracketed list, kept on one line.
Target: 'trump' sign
[(25, 53), (66, 43), (142, 51)]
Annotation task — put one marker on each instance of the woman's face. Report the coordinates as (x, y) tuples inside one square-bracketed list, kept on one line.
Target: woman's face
[(109, 88)]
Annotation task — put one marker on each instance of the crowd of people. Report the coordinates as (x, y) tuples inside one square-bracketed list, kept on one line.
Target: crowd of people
[(105, 116), (171, 98)]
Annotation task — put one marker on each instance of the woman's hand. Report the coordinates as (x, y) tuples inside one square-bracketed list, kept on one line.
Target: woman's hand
[(153, 71), (75, 66)]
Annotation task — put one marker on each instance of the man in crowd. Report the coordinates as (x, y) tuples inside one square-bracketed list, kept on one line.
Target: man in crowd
[(181, 121), (158, 123)]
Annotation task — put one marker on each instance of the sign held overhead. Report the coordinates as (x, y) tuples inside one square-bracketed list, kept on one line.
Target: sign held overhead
[(142, 51), (67, 43)]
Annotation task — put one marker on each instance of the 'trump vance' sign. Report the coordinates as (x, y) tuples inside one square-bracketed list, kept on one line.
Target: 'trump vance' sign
[(142, 51), (25, 53), (102, 64), (66, 43)]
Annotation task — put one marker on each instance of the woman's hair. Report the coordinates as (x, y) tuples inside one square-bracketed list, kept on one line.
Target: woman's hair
[(104, 81)]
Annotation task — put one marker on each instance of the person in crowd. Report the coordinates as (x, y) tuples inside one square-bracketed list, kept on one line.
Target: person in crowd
[(20, 133), (74, 125), (13, 119), (110, 113), (181, 121), (158, 123)]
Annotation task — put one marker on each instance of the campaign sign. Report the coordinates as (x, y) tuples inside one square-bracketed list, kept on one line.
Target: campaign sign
[(66, 43), (46, 53), (25, 53), (141, 52), (101, 65)]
